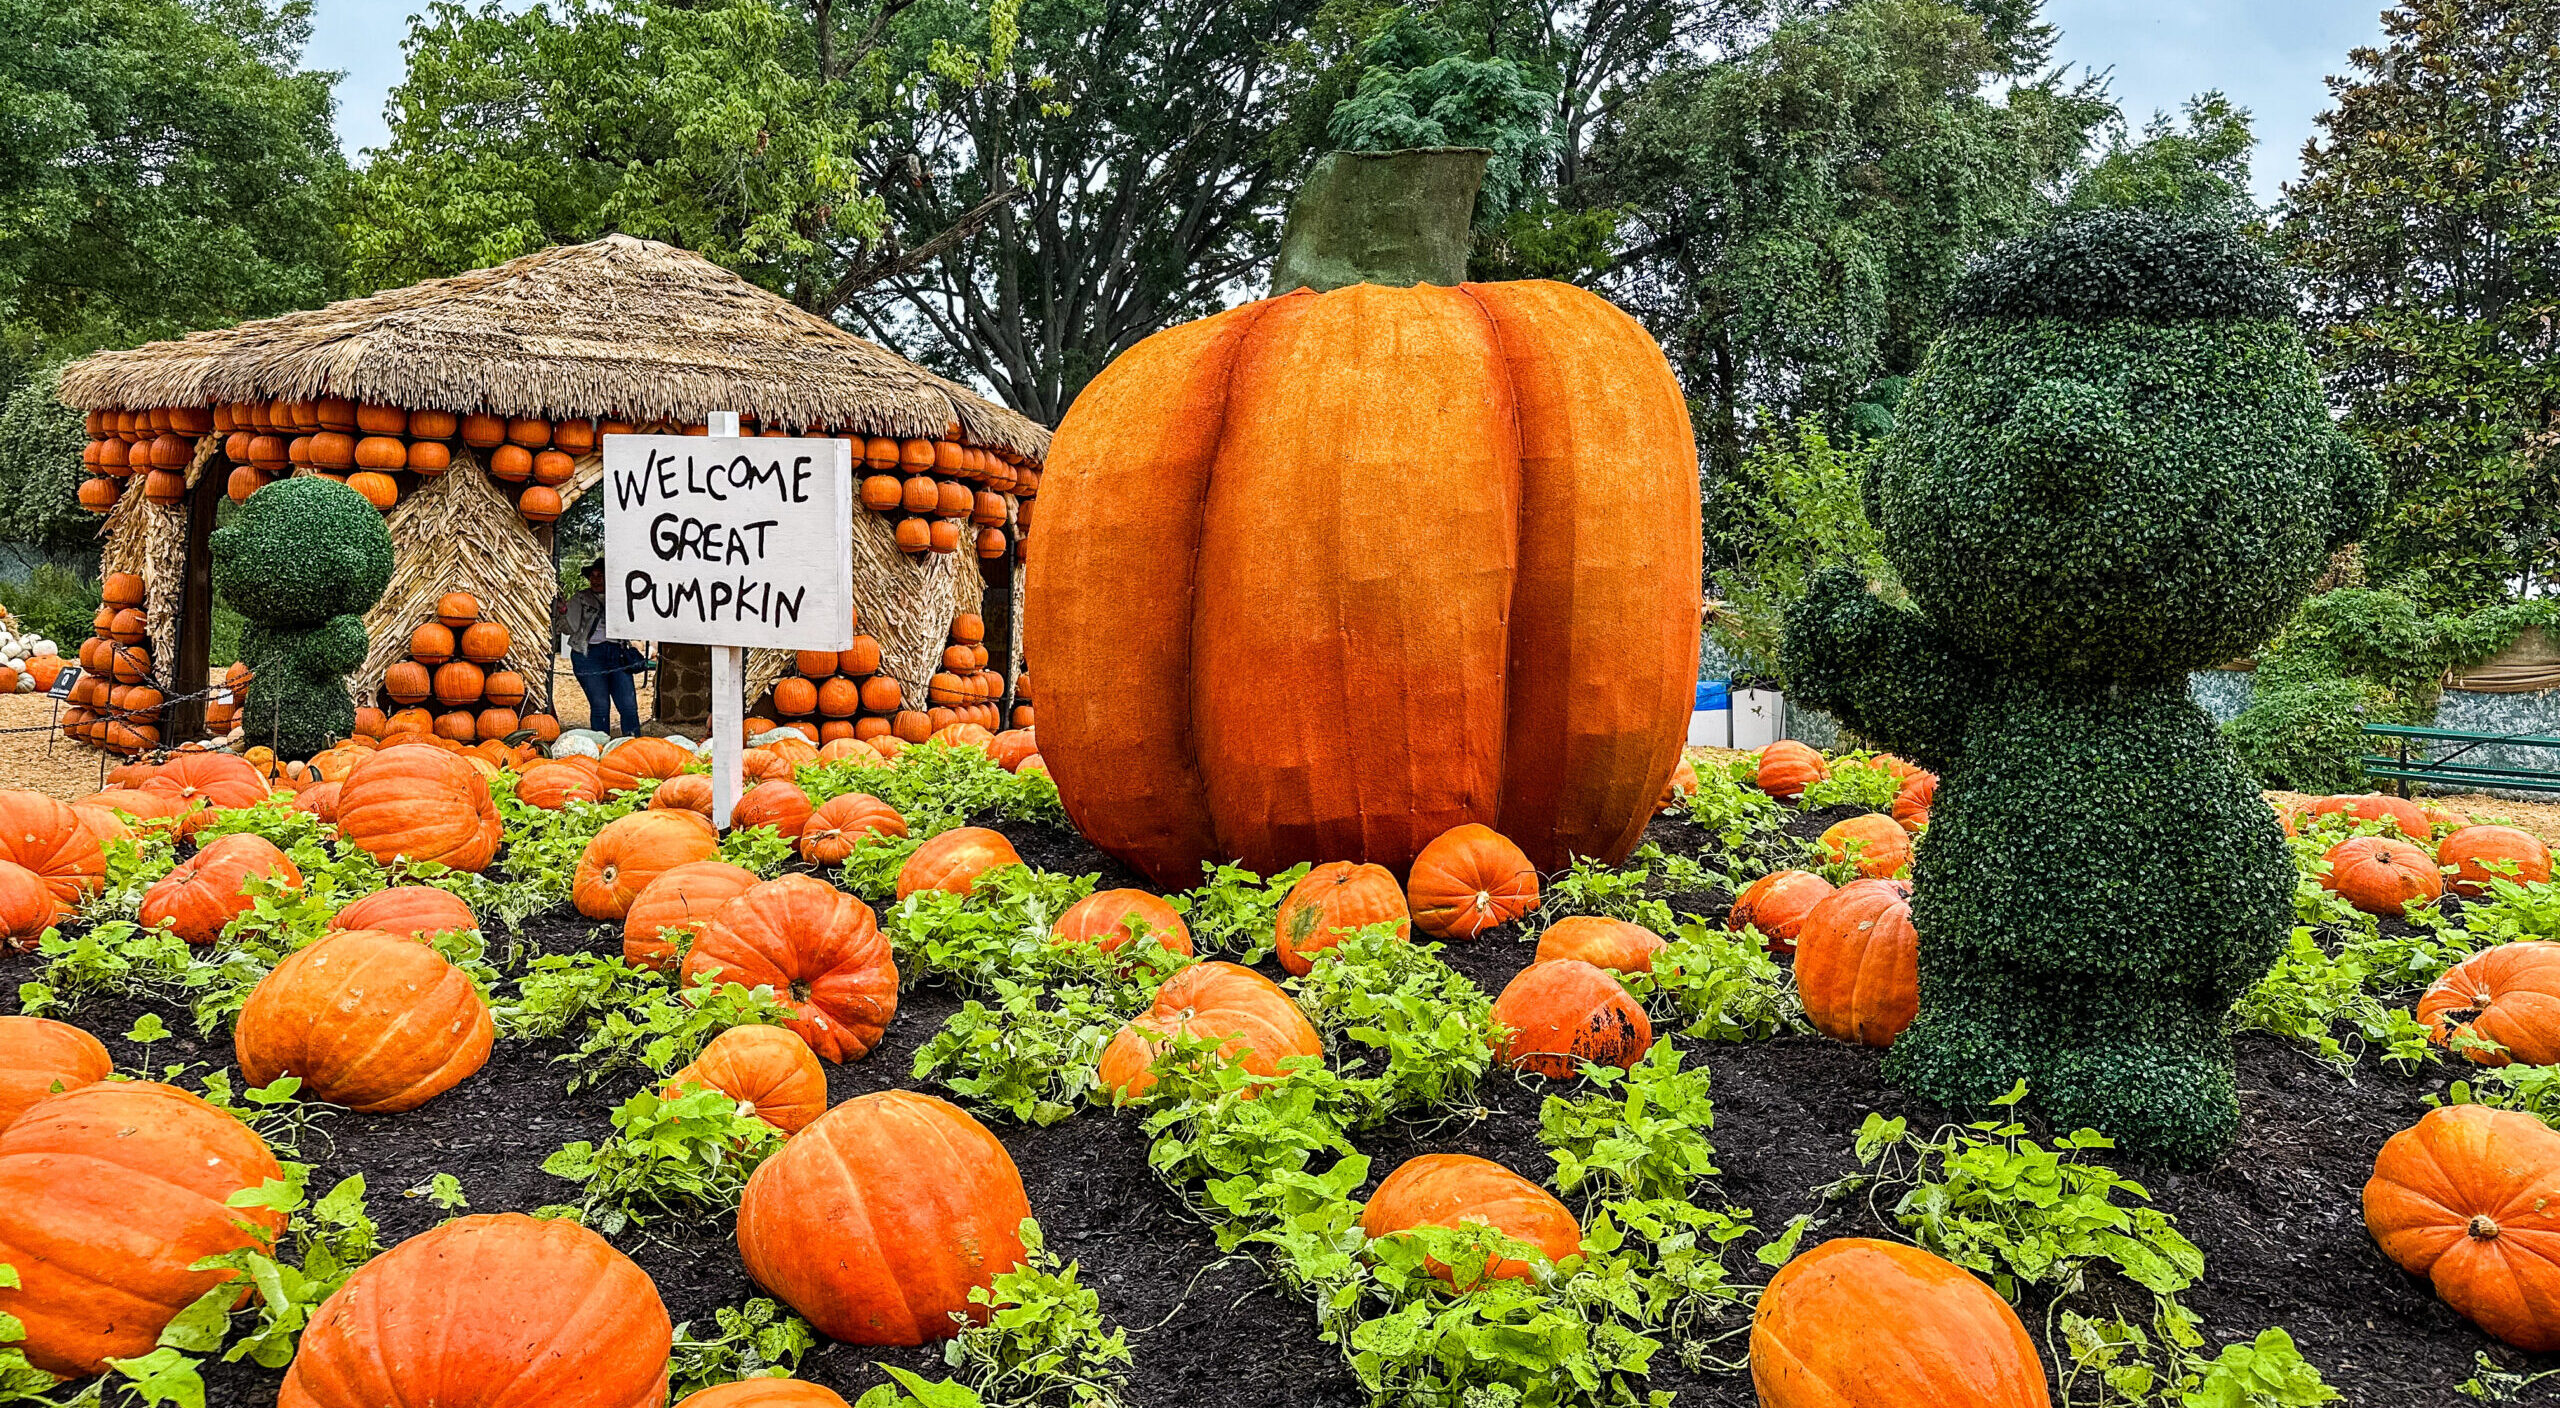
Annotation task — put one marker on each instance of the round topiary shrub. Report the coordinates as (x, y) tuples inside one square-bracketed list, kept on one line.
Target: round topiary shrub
[(302, 560), (2114, 467)]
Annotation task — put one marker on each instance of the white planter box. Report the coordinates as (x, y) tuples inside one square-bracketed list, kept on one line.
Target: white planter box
[(1759, 718), (1711, 728)]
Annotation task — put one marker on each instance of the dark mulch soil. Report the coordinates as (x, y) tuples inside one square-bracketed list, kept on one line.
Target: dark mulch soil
[(2280, 1222)]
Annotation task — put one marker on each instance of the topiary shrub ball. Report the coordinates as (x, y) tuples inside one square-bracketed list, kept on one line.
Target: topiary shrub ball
[(2113, 467), (303, 560)]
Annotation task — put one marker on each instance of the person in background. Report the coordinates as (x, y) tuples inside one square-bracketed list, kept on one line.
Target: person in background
[(607, 670)]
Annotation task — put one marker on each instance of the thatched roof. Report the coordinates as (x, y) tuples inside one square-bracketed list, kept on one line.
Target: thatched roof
[(618, 328)]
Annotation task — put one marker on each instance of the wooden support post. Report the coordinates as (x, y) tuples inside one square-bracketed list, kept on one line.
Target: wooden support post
[(184, 720), (997, 611), (728, 696)]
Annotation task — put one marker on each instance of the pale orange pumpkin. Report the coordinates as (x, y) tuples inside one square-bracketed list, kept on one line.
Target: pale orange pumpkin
[(633, 850), (680, 900), (1613, 944), (1858, 963), (1253, 1021), (1334, 899), (954, 860), (818, 948), (1106, 919), (2466, 1199), (1859, 1323), (1469, 879), (769, 1069), (1451, 1190), (1558, 1014)]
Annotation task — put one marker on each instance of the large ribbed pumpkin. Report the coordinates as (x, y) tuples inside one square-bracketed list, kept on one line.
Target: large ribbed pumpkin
[(108, 1194), (1254, 1023), (1417, 557), (2469, 1198), (683, 899), (1856, 1323), (765, 1393), (1449, 1190), (2508, 996), (210, 888), (874, 1222), (376, 1022), (820, 951), (1858, 963), (41, 1057), (421, 803), (1556, 1014), (633, 850), (495, 1311), (770, 1069)]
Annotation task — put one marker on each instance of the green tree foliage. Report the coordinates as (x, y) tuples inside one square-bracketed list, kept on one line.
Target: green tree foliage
[(2115, 467), (40, 444), (1792, 216), (2201, 168), (164, 165), (1419, 92), (1804, 514), (2426, 230), (730, 127), (1155, 143)]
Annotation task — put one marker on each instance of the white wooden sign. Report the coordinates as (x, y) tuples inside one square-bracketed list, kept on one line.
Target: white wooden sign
[(722, 540), (730, 542)]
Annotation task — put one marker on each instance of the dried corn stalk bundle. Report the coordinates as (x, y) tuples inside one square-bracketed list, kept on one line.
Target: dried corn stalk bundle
[(460, 533)]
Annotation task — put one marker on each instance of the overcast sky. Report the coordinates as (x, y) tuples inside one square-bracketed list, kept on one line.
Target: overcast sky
[(2269, 55)]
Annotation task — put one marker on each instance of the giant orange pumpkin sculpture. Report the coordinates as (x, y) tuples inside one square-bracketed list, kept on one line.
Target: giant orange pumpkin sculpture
[(1415, 557)]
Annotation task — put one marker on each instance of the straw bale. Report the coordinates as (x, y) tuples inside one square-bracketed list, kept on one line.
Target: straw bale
[(459, 532)]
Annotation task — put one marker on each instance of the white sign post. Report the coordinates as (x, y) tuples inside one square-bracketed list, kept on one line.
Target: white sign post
[(729, 542)]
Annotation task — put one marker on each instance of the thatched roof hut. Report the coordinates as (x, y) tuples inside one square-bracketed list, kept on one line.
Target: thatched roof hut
[(617, 330)]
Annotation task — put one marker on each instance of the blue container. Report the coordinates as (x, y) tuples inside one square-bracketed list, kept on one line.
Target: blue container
[(1714, 695)]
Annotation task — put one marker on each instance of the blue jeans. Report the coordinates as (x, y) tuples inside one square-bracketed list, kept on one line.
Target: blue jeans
[(607, 671)]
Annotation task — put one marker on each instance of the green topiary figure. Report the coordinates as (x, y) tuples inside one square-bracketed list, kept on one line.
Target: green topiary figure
[(302, 559), (2115, 467)]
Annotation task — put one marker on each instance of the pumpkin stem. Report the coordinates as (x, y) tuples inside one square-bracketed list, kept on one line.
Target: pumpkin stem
[(1395, 219), (2483, 1227)]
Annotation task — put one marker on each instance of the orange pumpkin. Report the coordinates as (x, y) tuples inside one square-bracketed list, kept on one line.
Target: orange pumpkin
[(1683, 783), (1252, 1020), (208, 889), (2470, 1199), (459, 682), (47, 838), (2380, 876), (840, 823), (40, 1057), (1010, 747), (775, 802), (1105, 918), (1556, 1015), (690, 792), (954, 860), (108, 1195), (27, 906), (319, 800), (220, 781), (1920, 789), (422, 804), (680, 900), (2408, 816), (413, 911), (633, 850), (431, 645), (1613, 944), (817, 948), (1451, 1190), (2478, 853), (552, 786), (875, 1221), (1857, 1323), (376, 1022), (1334, 899), (628, 763), (1533, 671), (1858, 963), (495, 1311), (1469, 879), (1788, 767), (1776, 904), (2509, 995), (1883, 847), (770, 1069), (486, 642)]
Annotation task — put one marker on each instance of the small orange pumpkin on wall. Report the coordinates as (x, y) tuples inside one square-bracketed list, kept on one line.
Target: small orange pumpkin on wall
[(1469, 879), (1334, 899)]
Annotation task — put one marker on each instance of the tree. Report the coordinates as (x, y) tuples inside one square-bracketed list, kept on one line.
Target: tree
[(734, 128), (2426, 231), (2199, 169), (1155, 142), (164, 165), (1793, 216)]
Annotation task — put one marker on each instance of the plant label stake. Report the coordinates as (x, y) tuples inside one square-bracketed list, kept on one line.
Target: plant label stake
[(733, 542)]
